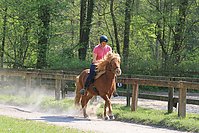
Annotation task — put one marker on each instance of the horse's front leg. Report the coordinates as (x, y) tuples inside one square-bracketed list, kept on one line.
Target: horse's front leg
[(107, 104), (106, 117), (111, 116)]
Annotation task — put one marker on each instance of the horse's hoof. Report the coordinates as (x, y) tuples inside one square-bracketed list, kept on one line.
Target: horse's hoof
[(106, 118), (86, 116), (112, 117)]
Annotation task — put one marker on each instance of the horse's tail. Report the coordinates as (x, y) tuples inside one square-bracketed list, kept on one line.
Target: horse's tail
[(77, 94)]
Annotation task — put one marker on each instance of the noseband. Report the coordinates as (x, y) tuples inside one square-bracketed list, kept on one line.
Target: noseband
[(113, 69)]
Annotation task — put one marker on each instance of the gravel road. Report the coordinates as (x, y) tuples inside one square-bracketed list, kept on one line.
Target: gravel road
[(76, 121)]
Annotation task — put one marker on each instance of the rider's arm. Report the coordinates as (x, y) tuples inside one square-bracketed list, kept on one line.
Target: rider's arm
[(94, 58)]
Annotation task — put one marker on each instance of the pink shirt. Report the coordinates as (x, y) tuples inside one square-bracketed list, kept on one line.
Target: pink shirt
[(101, 52)]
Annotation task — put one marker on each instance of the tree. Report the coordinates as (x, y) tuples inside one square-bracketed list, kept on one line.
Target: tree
[(170, 29), (115, 27), (85, 25), (16, 43), (180, 30), (44, 17), (4, 34), (128, 9)]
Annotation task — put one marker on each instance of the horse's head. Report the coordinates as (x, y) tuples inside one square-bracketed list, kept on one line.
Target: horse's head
[(115, 65), (110, 64)]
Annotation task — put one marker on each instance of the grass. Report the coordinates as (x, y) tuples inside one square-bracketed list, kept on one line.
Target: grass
[(144, 116), (8, 125), (153, 117), (43, 103)]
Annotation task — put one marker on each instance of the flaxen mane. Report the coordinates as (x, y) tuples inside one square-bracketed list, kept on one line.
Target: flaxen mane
[(101, 66)]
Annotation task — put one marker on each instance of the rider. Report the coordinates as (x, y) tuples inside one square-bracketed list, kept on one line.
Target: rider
[(98, 53)]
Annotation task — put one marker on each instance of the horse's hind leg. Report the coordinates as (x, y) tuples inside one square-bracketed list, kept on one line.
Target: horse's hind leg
[(84, 102)]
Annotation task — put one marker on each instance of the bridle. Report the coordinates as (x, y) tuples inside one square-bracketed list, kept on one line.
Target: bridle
[(113, 71), (114, 68)]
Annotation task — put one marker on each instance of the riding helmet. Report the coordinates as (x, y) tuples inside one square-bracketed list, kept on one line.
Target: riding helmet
[(103, 38)]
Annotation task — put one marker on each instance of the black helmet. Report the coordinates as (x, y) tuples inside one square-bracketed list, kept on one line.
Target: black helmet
[(103, 38)]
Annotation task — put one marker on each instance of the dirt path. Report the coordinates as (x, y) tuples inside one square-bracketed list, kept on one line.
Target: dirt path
[(75, 121)]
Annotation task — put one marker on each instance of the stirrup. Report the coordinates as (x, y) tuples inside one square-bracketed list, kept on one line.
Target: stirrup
[(115, 94), (82, 91)]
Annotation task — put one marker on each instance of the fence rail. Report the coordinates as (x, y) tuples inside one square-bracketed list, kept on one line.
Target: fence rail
[(139, 80)]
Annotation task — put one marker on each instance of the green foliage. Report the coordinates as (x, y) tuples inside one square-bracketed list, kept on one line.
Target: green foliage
[(61, 62), (59, 105), (145, 51)]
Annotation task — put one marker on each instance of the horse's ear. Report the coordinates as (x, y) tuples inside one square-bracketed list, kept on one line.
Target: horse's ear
[(109, 55)]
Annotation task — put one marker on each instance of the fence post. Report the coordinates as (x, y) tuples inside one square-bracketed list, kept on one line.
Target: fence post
[(63, 83), (182, 102), (170, 98), (28, 85), (128, 89), (57, 89), (38, 82), (134, 97), (16, 83), (63, 89)]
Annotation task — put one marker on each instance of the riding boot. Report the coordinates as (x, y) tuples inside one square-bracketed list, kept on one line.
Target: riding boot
[(89, 79), (87, 83)]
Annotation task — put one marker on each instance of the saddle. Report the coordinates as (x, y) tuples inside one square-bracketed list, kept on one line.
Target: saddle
[(92, 80)]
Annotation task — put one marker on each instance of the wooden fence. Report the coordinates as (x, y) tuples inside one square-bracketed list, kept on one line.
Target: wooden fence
[(139, 80)]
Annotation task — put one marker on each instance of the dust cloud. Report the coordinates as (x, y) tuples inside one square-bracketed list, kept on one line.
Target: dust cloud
[(37, 95)]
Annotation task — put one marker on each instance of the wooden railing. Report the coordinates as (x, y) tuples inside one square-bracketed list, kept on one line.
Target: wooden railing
[(165, 82)]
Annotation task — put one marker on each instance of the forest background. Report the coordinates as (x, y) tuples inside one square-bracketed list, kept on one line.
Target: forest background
[(149, 35)]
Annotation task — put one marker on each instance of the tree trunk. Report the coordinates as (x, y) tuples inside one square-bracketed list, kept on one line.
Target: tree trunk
[(127, 32), (180, 30), (44, 16), (3, 40), (85, 25), (159, 34), (81, 49), (115, 27)]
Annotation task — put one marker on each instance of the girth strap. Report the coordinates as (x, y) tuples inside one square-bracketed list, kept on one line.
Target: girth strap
[(94, 88)]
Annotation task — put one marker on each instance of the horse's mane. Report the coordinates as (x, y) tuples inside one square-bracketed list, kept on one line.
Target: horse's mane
[(101, 66)]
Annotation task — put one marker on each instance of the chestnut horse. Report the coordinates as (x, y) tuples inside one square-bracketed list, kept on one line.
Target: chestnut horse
[(104, 83)]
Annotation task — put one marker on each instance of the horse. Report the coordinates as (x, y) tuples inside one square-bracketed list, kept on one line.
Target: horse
[(104, 83)]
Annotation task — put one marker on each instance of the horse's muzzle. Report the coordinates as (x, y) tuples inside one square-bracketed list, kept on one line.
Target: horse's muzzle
[(118, 71)]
